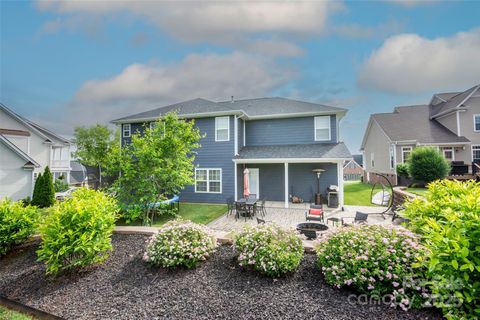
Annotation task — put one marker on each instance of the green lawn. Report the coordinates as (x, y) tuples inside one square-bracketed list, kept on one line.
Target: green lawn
[(7, 314), (418, 191), (202, 213), (357, 193)]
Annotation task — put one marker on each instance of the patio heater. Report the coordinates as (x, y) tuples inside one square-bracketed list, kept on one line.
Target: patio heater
[(318, 198)]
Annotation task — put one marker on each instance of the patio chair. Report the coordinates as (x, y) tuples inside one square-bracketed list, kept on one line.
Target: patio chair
[(315, 213), (359, 218), (230, 205), (261, 207), (252, 196), (241, 210)]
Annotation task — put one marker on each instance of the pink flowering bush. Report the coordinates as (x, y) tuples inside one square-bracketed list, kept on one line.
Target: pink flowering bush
[(269, 249), (374, 260), (180, 243)]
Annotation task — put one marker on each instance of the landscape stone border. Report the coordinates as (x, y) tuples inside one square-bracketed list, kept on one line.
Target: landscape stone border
[(24, 309)]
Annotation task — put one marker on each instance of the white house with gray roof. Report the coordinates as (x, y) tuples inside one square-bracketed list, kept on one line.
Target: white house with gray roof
[(25, 150), (279, 140), (450, 122)]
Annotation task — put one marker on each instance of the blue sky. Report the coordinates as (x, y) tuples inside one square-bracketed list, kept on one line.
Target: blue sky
[(65, 64)]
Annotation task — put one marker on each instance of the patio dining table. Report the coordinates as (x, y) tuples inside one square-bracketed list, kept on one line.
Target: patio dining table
[(250, 203)]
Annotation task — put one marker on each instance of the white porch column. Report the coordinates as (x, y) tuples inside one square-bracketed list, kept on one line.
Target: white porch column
[(286, 184), (235, 180), (340, 183), (235, 128)]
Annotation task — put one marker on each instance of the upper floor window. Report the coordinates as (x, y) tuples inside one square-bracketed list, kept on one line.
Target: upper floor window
[(406, 153), (476, 122), (222, 129), (208, 180), (127, 130), (322, 128)]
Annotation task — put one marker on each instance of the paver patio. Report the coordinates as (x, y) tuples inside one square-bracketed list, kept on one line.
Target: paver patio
[(289, 218)]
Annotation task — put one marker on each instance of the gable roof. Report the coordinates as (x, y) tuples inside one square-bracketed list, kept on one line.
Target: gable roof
[(19, 152), (452, 102), (249, 108), (42, 132), (412, 123)]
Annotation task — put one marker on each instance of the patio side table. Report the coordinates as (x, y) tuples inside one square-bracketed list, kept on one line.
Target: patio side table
[(335, 221)]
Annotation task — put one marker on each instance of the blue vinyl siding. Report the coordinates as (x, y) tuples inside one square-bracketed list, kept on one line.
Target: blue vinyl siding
[(285, 131), (134, 128), (213, 154), (240, 133), (272, 183)]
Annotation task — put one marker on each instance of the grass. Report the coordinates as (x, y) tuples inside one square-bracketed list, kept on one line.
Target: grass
[(7, 314), (357, 194), (202, 213), (418, 191)]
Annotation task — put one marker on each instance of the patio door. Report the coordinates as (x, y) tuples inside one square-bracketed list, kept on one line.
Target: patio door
[(254, 181)]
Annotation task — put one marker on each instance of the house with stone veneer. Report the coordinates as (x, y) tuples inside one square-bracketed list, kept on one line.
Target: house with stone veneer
[(279, 140)]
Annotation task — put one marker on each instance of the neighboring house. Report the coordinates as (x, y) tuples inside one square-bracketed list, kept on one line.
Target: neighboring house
[(450, 122), (26, 149), (279, 140), (353, 170)]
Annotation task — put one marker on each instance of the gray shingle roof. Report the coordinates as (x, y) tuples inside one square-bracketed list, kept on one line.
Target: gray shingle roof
[(413, 123), (262, 107), (297, 151), (453, 102)]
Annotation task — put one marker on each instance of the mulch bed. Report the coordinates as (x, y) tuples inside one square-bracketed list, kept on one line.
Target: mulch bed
[(125, 287)]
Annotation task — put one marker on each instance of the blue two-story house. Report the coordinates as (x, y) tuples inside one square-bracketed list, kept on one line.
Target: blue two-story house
[(280, 141)]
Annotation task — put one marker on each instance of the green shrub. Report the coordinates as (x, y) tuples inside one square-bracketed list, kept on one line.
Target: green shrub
[(36, 190), (180, 243), (44, 192), (269, 249), (427, 164), (17, 223), (402, 170), (60, 185), (374, 260), (449, 221), (77, 232)]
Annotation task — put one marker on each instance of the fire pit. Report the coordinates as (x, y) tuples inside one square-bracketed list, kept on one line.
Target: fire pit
[(310, 229)]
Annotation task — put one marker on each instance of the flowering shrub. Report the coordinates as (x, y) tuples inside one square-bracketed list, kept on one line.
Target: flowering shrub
[(180, 243), (449, 221), (77, 231), (270, 249), (374, 260), (17, 223)]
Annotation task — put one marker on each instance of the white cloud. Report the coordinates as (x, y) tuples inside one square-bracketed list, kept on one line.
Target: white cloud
[(411, 3), (381, 30), (140, 87), (409, 63), (204, 20), (271, 47)]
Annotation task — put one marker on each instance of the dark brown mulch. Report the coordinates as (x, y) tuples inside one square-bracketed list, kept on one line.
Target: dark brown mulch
[(125, 287)]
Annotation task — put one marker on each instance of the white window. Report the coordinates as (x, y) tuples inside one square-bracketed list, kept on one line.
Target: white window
[(372, 160), (208, 180), (222, 129), (126, 130), (448, 153), (476, 152), (406, 153), (392, 157), (322, 128), (476, 122)]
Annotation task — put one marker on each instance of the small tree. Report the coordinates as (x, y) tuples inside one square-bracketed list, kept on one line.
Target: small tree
[(48, 190), (155, 165), (37, 190), (94, 146), (427, 164)]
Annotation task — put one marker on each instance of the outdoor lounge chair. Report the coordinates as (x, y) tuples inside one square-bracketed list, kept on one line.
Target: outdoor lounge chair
[(315, 213), (359, 218), (230, 206), (261, 207), (242, 211)]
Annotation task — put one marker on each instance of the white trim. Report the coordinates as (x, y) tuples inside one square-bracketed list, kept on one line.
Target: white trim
[(286, 183), (244, 134), (235, 128), (458, 105), (458, 124), (442, 143), (235, 178), (340, 184), (291, 160), (449, 149), (124, 130), (216, 129), (329, 128), (475, 115), (208, 180), (403, 150)]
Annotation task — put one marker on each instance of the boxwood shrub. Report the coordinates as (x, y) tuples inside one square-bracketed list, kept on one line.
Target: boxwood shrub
[(375, 260), (17, 223), (180, 243), (449, 221), (269, 249), (77, 232)]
